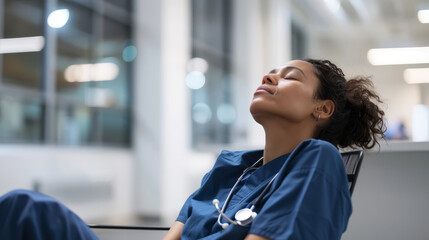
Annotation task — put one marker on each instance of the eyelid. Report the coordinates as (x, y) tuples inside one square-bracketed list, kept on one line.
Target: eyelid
[(290, 77)]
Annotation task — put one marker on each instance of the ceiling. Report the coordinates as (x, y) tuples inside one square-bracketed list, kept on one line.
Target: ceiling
[(391, 23)]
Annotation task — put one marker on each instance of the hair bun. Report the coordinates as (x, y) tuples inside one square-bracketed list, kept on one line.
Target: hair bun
[(357, 119)]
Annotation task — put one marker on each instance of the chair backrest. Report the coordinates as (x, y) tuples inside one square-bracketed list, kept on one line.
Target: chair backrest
[(352, 161)]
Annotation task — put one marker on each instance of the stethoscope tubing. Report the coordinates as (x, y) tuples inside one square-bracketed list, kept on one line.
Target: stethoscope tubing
[(263, 193), (232, 190)]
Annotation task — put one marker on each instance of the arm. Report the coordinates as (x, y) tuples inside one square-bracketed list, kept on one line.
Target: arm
[(255, 237), (175, 231)]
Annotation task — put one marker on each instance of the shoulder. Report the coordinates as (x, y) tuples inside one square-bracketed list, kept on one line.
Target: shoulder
[(318, 155), (321, 157), (318, 145), (312, 151)]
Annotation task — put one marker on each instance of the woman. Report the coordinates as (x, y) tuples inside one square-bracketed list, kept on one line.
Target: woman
[(296, 188), (307, 109)]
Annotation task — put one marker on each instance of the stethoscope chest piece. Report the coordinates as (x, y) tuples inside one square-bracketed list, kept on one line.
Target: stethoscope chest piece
[(245, 216)]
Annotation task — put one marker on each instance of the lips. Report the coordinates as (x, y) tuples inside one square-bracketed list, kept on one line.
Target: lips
[(264, 89)]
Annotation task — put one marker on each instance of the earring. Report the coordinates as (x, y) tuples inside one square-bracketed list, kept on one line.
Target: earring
[(318, 118)]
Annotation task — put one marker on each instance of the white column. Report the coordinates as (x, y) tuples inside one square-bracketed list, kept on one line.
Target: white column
[(176, 40), (167, 169), (148, 95), (262, 41), (279, 35)]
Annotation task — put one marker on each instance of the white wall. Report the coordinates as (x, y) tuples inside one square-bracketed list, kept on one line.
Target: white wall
[(391, 196), (74, 169)]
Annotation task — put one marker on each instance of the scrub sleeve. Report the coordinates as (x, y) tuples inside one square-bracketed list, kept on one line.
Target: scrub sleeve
[(31, 215)]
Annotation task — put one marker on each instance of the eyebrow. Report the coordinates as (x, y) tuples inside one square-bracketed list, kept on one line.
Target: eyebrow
[(287, 67)]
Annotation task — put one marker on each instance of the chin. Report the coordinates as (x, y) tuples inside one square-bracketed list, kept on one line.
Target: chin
[(261, 106), (259, 112), (254, 108), (257, 117)]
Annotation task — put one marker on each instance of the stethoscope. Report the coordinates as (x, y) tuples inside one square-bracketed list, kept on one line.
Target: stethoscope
[(243, 216)]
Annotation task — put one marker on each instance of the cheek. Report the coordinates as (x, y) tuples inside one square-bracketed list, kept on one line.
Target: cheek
[(299, 103), (294, 103), (297, 96)]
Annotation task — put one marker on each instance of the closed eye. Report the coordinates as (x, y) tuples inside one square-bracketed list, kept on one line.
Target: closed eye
[(290, 78), (291, 75)]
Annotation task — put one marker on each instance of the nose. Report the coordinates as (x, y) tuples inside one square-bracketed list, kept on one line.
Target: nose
[(269, 79)]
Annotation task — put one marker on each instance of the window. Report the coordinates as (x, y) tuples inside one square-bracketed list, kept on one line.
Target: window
[(21, 73), (299, 42), (212, 111), (76, 89)]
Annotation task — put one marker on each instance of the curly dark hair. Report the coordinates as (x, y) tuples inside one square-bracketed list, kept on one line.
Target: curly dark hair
[(357, 120)]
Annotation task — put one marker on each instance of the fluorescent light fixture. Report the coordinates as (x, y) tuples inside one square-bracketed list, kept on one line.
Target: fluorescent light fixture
[(361, 9), (333, 5), (91, 72), (416, 75), (423, 16), (396, 56), (19, 45), (58, 18)]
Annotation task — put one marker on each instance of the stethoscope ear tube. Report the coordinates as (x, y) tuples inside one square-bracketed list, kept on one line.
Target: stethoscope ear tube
[(223, 225), (264, 192)]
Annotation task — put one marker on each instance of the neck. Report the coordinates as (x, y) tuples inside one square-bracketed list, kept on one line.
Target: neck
[(283, 138)]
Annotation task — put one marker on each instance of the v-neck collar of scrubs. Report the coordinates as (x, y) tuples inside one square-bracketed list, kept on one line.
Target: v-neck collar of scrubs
[(257, 178), (272, 166)]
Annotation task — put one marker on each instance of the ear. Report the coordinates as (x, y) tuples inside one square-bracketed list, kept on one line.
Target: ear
[(324, 108)]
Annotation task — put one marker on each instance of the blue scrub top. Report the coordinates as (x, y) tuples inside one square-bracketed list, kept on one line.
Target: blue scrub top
[(309, 199)]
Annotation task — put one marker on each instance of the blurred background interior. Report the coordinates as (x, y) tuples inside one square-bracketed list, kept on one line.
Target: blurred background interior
[(118, 107)]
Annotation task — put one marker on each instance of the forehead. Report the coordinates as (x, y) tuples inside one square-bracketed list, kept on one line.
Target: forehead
[(306, 67)]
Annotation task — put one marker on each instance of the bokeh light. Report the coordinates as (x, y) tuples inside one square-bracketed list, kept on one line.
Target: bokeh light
[(195, 80), (201, 113), (58, 18)]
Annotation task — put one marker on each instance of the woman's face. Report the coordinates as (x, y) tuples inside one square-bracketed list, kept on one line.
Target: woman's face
[(286, 93)]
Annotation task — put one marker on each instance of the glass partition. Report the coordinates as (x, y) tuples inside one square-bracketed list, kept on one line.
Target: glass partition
[(90, 57)]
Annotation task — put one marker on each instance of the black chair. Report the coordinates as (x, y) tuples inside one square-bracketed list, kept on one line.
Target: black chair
[(351, 160)]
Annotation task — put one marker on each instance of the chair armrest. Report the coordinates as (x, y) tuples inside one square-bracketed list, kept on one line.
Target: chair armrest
[(128, 227)]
